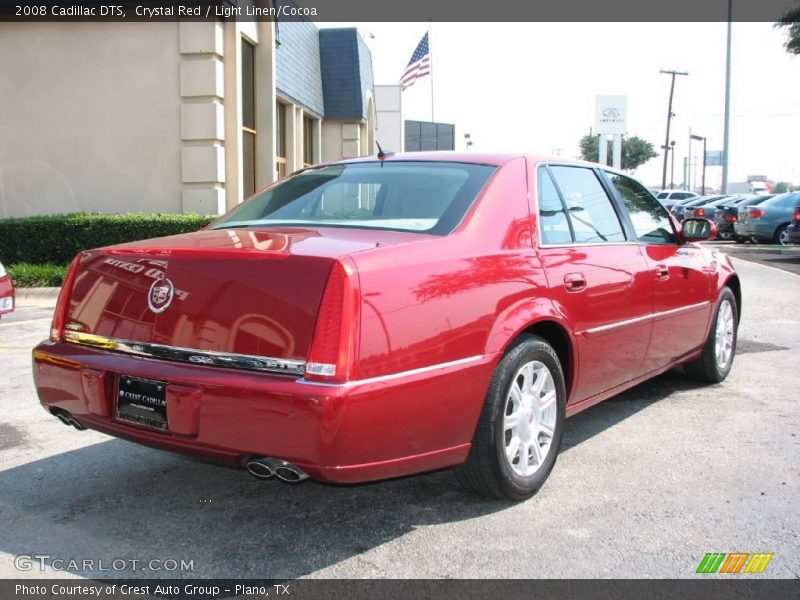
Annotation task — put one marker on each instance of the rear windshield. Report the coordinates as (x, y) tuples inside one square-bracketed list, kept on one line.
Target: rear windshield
[(430, 197)]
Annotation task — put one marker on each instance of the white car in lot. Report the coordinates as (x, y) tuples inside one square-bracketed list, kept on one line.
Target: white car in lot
[(670, 197)]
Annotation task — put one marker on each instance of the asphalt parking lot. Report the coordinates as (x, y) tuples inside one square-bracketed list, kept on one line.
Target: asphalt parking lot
[(645, 485), (786, 258)]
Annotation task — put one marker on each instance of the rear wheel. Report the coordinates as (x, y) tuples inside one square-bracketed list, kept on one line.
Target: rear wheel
[(714, 364), (520, 427), (782, 236)]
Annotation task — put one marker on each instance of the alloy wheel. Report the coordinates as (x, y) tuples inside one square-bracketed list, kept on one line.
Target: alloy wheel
[(723, 348), (529, 418)]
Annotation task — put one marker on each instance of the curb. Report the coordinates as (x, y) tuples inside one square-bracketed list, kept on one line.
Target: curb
[(44, 296)]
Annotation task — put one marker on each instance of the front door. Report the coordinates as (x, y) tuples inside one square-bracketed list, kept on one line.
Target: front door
[(679, 276)]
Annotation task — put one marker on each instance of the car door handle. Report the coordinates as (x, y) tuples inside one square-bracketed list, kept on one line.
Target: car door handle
[(662, 272), (574, 282)]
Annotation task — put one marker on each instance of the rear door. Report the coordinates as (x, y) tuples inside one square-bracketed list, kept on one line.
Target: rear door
[(597, 277), (678, 275)]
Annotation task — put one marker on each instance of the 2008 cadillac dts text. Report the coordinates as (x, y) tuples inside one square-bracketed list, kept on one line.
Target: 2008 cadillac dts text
[(377, 317)]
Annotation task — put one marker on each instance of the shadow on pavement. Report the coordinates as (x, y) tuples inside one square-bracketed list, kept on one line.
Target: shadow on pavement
[(119, 500)]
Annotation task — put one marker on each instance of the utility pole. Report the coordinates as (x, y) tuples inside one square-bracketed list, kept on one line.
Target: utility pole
[(666, 146)]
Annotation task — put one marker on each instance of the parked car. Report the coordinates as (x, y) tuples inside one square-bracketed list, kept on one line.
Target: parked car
[(678, 206), (727, 213), (684, 210), (6, 291), (670, 197), (706, 210), (793, 231), (768, 221), (373, 318)]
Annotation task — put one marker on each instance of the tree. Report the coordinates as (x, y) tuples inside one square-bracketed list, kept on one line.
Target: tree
[(791, 22), (781, 187), (635, 151)]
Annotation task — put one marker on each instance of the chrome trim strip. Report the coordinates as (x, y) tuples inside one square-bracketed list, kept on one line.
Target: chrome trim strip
[(209, 358), (653, 316), (391, 376), (680, 309)]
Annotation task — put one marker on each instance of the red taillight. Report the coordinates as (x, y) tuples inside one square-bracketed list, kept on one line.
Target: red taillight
[(334, 348), (62, 304), (699, 212), (754, 213), (796, 215), (730, 218)]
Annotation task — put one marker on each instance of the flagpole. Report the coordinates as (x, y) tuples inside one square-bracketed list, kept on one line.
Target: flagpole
[(430, 53)]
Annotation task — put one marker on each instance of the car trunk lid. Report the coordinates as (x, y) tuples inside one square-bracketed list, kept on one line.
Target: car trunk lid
[(243, 292)]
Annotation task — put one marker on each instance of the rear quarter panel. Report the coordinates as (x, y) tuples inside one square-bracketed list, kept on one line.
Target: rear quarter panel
[(455, 296)]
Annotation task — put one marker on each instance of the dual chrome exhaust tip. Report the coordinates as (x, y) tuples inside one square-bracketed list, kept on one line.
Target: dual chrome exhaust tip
[(68, 419), (267, 467)]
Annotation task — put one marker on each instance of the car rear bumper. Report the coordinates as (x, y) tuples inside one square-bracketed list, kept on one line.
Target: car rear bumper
[(724, 226), (755, 229), (793, 232), (375, 429), (7, 299)]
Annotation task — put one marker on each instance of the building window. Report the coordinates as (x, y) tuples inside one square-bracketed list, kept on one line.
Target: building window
[(248, 118), (308, 141), (280, 139)]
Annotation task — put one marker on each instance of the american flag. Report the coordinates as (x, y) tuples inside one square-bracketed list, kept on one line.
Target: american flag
[(419, 65)]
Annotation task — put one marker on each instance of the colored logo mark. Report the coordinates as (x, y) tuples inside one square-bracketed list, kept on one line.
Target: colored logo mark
[(734, 562)]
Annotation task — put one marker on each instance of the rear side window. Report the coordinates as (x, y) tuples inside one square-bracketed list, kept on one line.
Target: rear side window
[(553, 223), (662, 195), (591, 214), (682, 196), (649, 218)]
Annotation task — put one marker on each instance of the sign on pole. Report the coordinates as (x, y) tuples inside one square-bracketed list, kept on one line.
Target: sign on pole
[(610, 115), (713, 158)]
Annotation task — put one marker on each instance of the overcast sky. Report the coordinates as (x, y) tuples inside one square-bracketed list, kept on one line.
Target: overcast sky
[(531, 86)]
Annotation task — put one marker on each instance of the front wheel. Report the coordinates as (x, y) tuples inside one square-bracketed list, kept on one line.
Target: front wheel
[(714, 364), (519, 432)]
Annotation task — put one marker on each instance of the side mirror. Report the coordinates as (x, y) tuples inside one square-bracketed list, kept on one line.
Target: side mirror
[(697, 230)]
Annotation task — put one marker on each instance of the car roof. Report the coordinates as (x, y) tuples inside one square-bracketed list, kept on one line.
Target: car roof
[(472, 157), (782, 197)]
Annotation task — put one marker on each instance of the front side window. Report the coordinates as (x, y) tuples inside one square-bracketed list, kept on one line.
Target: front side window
[(593, 218), (429, 197), (650, 220)]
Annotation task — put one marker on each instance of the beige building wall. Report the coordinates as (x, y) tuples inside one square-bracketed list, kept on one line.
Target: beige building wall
[(145, 117), (90, 118)]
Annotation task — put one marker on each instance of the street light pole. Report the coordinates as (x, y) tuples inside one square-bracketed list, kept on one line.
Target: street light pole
[(669, 119), (726, 131), (672, 167), (702, 138)]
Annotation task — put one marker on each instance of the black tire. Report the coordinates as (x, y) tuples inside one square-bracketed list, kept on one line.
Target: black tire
[(705, 367), (739, 239), (487, 471), (778, 233)]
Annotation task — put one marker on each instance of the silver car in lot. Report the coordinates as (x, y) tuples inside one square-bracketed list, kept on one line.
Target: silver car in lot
[(767, 222)]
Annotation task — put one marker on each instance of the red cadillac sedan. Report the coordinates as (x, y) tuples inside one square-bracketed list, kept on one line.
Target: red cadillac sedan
[(378, 317)]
